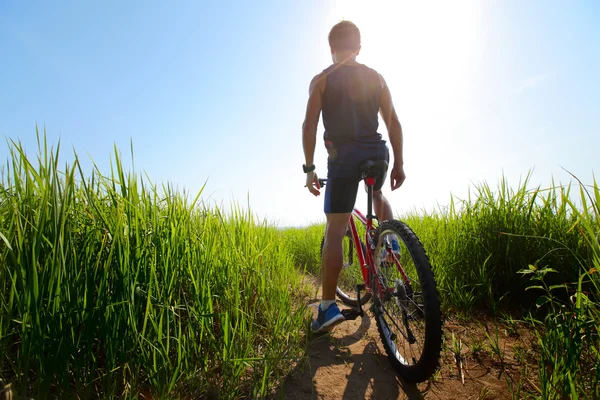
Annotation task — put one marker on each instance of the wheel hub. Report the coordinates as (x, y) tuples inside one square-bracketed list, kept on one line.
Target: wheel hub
[(401, 294)]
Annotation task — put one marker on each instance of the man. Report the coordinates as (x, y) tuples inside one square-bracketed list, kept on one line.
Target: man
[(350, 95)]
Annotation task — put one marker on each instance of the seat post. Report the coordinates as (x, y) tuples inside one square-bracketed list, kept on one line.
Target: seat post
[(370, 184), (371, 171)]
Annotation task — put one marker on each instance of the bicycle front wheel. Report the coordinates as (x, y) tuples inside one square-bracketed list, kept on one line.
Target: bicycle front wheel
[(406, 305), (351, 273)]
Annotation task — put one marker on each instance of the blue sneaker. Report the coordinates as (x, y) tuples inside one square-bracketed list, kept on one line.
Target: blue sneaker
[(327, 319), (395, 247), (387, 257)]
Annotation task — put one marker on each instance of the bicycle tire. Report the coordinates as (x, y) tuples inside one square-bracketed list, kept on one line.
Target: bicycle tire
[(345, 293), (403, 297)]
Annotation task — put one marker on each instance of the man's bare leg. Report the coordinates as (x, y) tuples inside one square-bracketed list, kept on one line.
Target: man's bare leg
[(383, 210), (337, 224), (382, 206), (329, 313)]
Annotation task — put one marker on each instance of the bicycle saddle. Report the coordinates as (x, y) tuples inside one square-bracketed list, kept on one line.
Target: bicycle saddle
[(372, 168)]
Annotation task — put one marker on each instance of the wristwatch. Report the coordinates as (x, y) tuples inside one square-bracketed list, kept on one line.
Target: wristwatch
[(308, 169)]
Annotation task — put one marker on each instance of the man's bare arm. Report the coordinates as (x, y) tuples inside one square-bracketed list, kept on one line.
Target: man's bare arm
[(388, 113), (311, 119)]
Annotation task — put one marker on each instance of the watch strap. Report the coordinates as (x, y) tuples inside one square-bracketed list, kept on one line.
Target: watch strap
[(308, 169)]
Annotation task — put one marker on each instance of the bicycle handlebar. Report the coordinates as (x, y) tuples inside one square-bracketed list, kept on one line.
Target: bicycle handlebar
[(321, 182)]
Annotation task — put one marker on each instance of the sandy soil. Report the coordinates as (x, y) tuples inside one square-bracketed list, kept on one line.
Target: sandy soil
[(350, 363)]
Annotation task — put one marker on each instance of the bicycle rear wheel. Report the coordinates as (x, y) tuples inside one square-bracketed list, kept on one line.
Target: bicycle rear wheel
[(351, 273), (407, 310)]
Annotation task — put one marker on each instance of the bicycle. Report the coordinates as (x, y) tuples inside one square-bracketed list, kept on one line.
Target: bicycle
[(405, 301)]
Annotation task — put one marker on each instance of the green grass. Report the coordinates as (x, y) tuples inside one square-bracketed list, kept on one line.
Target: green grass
[(111, 287), (304, 245), (477, 245)]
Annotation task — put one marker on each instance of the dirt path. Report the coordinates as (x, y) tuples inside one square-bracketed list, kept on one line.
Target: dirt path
[(350, 363)]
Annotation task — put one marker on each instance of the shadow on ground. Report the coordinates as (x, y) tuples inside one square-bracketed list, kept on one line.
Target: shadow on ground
[(347, 364)]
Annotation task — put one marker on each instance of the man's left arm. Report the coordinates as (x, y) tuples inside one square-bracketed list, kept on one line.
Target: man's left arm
[(309, 129)]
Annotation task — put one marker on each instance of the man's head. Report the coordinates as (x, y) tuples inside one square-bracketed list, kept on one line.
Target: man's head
[(344, 39)]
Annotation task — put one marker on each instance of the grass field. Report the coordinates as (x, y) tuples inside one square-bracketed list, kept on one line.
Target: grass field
[(112, 287)]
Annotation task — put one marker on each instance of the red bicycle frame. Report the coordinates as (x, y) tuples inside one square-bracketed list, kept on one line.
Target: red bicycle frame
[(367, 261)]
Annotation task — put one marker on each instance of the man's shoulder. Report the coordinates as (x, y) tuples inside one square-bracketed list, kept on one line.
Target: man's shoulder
[(370, 69), (323, 74), (375, 76), (319, 80), (378, 75)]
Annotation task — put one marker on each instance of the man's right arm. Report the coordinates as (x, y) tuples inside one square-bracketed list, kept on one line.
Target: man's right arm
[(309, 129), (388, 113)]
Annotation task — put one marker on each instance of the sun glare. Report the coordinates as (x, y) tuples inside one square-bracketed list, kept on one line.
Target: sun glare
[(430, 55), (424, 47)]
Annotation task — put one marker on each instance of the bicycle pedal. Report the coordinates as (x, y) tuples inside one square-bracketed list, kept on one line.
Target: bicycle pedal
[(350, 314)]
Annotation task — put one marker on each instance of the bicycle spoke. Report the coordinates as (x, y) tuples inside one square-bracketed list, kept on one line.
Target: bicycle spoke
[(393, 320)]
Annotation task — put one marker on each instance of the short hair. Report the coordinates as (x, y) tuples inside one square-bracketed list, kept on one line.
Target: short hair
[(344, 36)]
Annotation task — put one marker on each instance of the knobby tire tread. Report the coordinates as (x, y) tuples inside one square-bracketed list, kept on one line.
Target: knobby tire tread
[(426, 366)]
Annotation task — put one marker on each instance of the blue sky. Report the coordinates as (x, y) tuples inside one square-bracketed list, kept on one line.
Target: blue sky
[(217, 90)]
